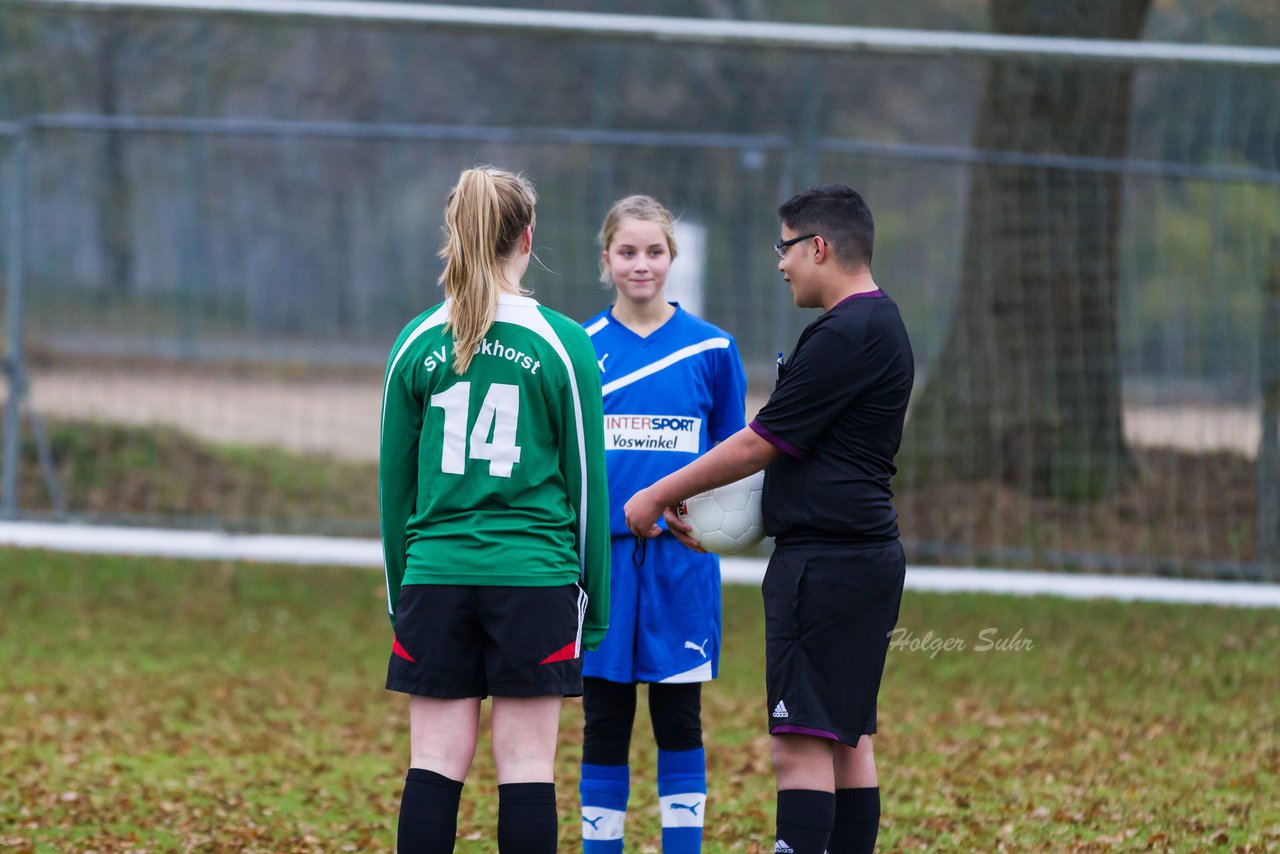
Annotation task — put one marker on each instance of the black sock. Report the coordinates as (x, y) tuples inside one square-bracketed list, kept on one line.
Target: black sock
[(527, 818), (428, 813), (804, 821), (857, 821)]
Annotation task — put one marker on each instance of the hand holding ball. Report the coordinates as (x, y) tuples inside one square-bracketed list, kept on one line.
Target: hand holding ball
[(726, 520)]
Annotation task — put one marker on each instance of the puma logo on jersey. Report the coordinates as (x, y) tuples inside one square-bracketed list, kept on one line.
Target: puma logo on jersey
[(780, 710), (693, 808), (702, 650), (594, 822), (601, 361)]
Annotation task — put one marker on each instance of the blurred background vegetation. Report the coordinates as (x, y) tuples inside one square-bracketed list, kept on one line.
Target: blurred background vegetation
[(215, 203)]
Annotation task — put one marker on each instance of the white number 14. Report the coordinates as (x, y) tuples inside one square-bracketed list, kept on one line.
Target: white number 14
[(498, 415)]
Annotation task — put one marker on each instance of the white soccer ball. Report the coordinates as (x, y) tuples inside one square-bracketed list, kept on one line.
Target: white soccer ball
[(726, 520)]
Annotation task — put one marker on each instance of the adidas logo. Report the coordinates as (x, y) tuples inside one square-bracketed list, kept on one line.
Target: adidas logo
[(780, 711), (781, 847)]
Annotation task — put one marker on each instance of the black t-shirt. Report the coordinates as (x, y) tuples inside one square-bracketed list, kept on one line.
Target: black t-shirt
[(836, 414)]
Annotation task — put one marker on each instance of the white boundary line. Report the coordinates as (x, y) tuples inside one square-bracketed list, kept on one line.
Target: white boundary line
[(203, 545), (335, 551)]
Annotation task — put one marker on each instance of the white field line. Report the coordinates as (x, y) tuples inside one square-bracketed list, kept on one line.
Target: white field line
[(209, 545)]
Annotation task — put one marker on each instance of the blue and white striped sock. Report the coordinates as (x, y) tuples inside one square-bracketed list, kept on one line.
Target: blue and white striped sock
[(682, 791), (604, 789)]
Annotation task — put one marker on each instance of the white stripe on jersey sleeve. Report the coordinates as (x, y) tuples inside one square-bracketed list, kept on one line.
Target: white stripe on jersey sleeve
[(522, 311), (438, 317), (597, 326), (433, 320), (666, 362)]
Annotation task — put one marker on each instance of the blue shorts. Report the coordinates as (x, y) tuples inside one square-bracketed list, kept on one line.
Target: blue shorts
[(664, 617)]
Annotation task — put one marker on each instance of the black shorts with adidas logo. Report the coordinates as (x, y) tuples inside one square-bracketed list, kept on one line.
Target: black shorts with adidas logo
[(829, 609), (468, 640)]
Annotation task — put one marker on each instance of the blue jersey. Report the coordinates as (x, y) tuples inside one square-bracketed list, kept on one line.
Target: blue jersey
[(667, 399)]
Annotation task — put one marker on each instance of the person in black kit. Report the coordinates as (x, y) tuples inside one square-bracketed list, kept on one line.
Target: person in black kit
[(826, 440)]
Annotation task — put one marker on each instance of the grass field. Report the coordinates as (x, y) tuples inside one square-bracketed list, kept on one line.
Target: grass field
[(180, 706)]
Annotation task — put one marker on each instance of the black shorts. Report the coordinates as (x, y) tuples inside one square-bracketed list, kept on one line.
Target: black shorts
[(455, 640), (828, 612)]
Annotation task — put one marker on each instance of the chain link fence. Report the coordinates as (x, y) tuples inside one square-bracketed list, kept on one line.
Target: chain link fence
[(215, 225)]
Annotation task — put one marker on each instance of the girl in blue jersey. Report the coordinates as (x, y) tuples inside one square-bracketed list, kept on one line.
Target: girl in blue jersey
[(673, 386)]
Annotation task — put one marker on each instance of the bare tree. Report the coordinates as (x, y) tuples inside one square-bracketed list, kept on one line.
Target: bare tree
[(1027, 386)]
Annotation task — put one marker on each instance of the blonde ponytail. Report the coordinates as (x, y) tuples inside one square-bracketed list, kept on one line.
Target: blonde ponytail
[(485, 217)]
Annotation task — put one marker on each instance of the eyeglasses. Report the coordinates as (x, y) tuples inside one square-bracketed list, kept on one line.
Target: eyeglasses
[(781, 248)]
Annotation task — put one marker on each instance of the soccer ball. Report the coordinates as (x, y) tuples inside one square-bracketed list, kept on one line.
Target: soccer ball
[(726, 520)]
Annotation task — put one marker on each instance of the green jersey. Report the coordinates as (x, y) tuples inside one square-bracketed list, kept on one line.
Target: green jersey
[(496, 476)]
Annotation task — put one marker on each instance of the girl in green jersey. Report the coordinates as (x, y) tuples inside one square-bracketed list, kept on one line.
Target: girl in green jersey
[(494, 514)]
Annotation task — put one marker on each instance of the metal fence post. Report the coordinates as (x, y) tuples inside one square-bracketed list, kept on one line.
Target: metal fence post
[(1269, 448), (13, 366)]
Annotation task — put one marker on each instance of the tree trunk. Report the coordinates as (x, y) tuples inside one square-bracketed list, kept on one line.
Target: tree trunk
[(1027, 387), (115, 199), (1268, 551)]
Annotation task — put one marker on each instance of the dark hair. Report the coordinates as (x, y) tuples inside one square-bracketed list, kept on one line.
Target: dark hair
[(839, 215)]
